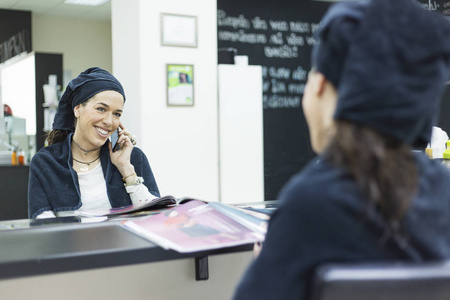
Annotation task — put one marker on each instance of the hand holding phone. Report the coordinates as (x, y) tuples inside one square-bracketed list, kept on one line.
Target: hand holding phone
[(114, 139)]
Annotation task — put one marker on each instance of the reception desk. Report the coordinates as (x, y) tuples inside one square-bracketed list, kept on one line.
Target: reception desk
[(13, 192), (105, 261)]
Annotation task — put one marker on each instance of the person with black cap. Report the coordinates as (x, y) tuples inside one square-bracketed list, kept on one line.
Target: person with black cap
[(79, 170), (372, 97)]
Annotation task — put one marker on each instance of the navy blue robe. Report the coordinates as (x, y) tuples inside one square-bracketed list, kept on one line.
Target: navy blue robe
[(53, 183), (323, 217)]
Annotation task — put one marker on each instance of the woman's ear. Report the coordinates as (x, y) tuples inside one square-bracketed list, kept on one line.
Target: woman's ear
[(76, 111)]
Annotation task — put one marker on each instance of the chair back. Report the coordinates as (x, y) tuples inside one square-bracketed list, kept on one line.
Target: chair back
[(386, 281)]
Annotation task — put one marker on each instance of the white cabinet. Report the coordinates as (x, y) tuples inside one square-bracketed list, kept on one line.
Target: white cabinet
[(241, 159)]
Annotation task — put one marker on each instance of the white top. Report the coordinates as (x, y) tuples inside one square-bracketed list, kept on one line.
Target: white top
[(94, 194), (93, 189)]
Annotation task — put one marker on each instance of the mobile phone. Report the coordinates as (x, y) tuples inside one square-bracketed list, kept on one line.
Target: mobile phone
[(114, 139)]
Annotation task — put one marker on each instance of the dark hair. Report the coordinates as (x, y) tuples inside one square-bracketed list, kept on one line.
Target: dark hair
[(383, 167), (59, 135), (56, 136)]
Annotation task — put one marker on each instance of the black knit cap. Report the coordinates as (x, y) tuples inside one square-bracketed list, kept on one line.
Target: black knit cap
[(86, 85), (389, 60)]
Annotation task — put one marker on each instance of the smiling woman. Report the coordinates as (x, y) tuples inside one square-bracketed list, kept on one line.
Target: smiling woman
[(79, 170)]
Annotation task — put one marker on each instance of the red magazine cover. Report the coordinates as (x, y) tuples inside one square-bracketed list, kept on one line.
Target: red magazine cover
[(193, 226)]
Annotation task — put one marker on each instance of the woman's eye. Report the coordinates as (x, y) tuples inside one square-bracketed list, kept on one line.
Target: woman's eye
[(118, 115), (101, 109)]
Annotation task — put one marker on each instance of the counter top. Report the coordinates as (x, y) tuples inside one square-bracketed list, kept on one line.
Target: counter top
[(75, 246)]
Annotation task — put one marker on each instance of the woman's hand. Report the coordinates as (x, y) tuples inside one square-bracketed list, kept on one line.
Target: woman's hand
[(257, 247), (121, 157)]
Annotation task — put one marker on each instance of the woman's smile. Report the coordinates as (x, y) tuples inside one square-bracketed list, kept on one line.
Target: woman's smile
[(103, 132)]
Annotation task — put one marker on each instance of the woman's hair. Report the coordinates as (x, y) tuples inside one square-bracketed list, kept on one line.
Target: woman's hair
[(59, 135), (56, 136), (384, 168)]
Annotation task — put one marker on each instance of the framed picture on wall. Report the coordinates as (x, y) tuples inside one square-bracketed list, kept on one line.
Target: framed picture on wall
[(178, 30), (180, 85)]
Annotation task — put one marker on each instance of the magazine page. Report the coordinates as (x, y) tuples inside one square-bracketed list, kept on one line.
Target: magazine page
[(255, 222), (193, 226), (153, 204)]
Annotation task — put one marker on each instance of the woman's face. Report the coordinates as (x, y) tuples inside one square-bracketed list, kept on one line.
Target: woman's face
[(319, 102), (97, 118)]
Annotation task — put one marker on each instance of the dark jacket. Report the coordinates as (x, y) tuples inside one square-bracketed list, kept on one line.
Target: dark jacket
[(53, 183), (323, 218)]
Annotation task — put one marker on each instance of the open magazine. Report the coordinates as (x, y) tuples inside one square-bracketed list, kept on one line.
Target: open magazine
[(198, 226), (156, 203)]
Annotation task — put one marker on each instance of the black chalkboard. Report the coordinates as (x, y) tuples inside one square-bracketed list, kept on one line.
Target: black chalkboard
[(443, 7), (278, 35)]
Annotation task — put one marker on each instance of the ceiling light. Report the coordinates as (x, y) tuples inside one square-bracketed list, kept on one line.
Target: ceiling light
[(86, 2)]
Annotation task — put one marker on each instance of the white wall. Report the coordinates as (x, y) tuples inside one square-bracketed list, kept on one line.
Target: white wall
[(180, 142), (126, 57), (83, 43)]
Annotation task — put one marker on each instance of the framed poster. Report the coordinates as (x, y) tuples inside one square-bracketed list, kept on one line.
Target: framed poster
[(180, 85), (178, 30)]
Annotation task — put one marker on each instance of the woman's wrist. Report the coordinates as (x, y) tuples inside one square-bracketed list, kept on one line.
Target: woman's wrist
[(128, 174)]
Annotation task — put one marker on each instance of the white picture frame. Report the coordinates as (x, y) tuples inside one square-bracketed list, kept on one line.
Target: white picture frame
[(178, 30)]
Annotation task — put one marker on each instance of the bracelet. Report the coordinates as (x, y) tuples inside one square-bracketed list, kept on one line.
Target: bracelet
[(123, 179), (137, 181)]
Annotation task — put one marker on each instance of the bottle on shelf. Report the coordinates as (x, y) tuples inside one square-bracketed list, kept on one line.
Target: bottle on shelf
[(14, 160), (21, 158), (446, 155)]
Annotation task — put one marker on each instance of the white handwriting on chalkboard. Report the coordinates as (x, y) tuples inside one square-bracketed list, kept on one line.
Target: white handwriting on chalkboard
[(299, 74), (311, 40), (315, 27), (243, 37), (283, 93), (446, 10), (277, 77), (276, 39), (283, 43), (259, 24), (279, 25), (239, 22), (282, 86), (296, 40), (431, 5), (281, 52), (282, 73), (276, 101), (296, 88), (278, 87), (266, 86), (301, 27)]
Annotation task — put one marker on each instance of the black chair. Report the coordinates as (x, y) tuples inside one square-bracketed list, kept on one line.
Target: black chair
[(399, 281)]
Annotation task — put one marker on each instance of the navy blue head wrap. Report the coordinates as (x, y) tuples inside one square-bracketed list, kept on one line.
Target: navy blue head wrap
[(389, 60), (86, 85)]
